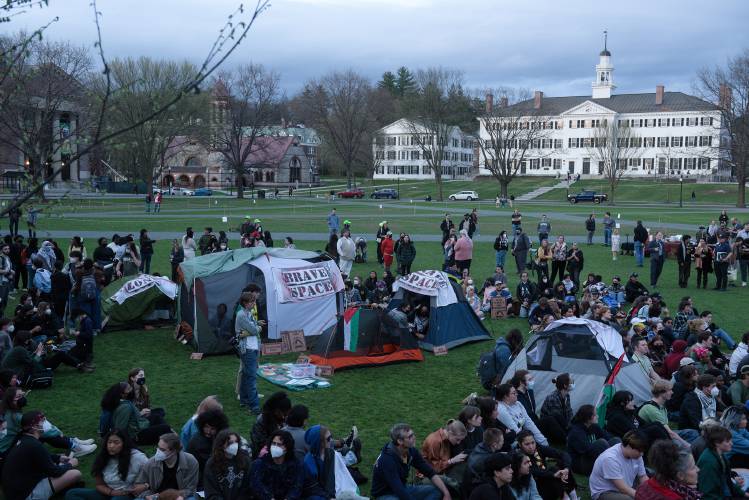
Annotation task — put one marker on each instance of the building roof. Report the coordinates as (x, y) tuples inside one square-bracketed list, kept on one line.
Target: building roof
[(306, 135), (620, 103), (269, 150)]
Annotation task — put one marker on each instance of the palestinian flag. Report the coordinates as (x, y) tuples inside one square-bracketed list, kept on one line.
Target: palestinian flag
[(351, 329), (607, 392)]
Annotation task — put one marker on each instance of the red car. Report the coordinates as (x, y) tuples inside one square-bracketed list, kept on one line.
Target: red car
[(351, 193)]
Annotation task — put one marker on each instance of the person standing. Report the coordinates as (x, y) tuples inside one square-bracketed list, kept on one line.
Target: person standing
[(14, 215), (501, 245), (148, 203), (520, 247), (346, 253), (475, 220), (684, 258), (743, 256), (608, 228), (590, 226), (176, 258), (468, 224), (387, 248), (334, 222), (406, 254), (657, 257), (31, 216), (616, 244), (382, 232), (157, 202), (722, 256), (640, 239), (575, 262), (559, 259), (188, 245), (543, 229), (445, 226), (247, 330), (146, 251), (463, 251), (516, 219)]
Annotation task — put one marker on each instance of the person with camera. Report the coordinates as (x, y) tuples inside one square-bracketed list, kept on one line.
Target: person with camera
[(29, 359), (247, 329)]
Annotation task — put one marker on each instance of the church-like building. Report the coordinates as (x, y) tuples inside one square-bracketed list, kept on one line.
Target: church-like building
[(670, 133)]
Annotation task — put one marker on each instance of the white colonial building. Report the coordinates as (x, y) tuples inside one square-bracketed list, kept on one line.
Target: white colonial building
[(398, 153), (671, 133)]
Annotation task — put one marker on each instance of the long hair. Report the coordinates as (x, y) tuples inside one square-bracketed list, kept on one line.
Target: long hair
[(519, 482), (111, 398), (220, 461), (123, 459), (288, 444), (143, 389), (8, 403)]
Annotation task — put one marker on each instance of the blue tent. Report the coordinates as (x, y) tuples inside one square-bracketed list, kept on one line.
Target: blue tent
[(452, 321)]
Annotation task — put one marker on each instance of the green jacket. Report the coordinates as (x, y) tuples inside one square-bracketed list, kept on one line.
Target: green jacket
[(22, 362), (406, 253), (739, 393), (714, 476), (127, 417)]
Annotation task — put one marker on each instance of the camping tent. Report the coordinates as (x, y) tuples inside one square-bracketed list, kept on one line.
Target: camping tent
[(585, 349), (452, 322), (141, 299), (364, 337), (300, 290)]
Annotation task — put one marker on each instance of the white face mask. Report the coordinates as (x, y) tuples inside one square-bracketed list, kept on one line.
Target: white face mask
[(46, 426), (160, 456), (48, 312), (531, 384), (232, 449), (11, 328), (715, 392), (276, 451)]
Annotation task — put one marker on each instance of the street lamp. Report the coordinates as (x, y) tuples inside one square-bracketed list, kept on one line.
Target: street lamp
[(681, 191), (399, 187)]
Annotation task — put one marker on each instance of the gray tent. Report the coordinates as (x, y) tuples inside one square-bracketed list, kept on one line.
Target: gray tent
[(585, 349)]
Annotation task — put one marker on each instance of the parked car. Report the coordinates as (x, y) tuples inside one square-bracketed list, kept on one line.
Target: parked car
[(182, 191), (388, 193), (351, 193), (203, 192), (464, 195), (587, 196)]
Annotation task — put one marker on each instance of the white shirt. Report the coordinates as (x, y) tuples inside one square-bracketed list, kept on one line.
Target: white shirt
[(610, 465), (516, 418), (736, 356), (346, 248)]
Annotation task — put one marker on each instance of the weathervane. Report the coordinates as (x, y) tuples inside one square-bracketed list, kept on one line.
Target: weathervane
[(605, 38)]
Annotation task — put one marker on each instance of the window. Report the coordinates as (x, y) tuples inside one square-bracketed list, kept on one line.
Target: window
[(415, 155), (427, 155), (536, 144), (650, 122), (675, 163), (391, 141), (635, 163), (637, 123), (557, 164), (622, 143), (379, 155), (588, 142), (664, 122), (677, 122), (691, 141), (426, 170), (704, 163), (649, 142), (546, 163), (663, 142), (572, 124), (391, 155), (546, 143), (534, 164), (647, 163), (690, 163), (596, 123), (635, 142), (557, 143), (706, 120), (455, 143), (692, 122), (580, 123), (706, 140), (677, 142), (572, 142)]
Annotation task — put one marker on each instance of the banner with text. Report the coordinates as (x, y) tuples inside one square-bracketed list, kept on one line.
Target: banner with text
[(305, 283), (431, 283)]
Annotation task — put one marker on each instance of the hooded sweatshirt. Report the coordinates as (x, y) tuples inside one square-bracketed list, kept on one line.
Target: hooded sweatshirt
[(672, 359), (319, 473)]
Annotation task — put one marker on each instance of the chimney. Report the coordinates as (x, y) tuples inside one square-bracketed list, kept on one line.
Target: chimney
[(538, 99), (503, 101), (489, 103), (659, 94), (725, 96)]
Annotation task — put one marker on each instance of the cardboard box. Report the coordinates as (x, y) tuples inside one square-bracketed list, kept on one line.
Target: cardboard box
[(296, 340), (440, 350), (196, 356), (324, 371), (271, 349)]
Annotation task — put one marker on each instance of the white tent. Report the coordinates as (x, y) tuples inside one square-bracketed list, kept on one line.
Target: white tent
[(585, 349)]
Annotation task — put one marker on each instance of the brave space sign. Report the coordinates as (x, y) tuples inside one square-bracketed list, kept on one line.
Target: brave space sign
[(305, 283)]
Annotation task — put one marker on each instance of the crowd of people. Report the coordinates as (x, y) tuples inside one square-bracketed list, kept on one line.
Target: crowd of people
[(501, 445)]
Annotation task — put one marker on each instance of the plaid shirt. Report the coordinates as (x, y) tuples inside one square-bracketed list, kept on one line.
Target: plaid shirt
[(557, 407), (681, 324)]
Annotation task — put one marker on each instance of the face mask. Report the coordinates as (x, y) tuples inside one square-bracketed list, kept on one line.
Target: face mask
[(11, 328), (74, 260), (232, 449), (276, 451), (572, 385), (223, 247), (46, 426), (531, 384), (140, 381), (160, 456), (48, 312), (715, 392)]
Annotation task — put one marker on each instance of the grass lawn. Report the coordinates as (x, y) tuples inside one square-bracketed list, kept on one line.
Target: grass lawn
[(424, 394)]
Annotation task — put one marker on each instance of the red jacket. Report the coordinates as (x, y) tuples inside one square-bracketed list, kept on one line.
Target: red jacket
[(386, 247), (653, 490)]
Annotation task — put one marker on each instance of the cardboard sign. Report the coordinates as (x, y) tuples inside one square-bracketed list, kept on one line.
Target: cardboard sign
[(296, 340), (440, 350), (285, 343), (196, 356), (302, 360), (499, 308), (272, 349), (324, 371)]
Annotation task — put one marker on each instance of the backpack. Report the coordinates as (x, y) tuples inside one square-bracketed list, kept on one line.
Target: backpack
[(637, 412), (88, 287), (491, 368), (40, 380)]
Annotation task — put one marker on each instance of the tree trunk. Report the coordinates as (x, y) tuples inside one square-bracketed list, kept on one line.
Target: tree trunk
[(612, 188), (240, 186), (349, 177), (741, 200), (438, 182), (503, 185)]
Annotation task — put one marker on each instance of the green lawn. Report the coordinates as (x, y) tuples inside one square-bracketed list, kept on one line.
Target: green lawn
[(424, 394)]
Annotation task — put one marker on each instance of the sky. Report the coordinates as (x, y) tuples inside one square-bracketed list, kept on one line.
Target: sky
[(547, 45)]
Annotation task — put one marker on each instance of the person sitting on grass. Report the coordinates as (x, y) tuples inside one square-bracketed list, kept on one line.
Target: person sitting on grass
[(190, 428), (513, 415), (739, 389), (29, 359), (654, 412), (209, 424), (393, 466), (227, 473), (270, 420), (117, 405), (556, 411), (675, 477), (470, 416), (553, 480), (296, 420), (30, 471), (169, 469), (523, 485), (714, 478), (137, 380), (277, 474), (499, 469), (115, 469), (319, 466), (586, 440), (444, 451), (734, 419), (474, 473), (699, 404), (523, 383), (619, 470)]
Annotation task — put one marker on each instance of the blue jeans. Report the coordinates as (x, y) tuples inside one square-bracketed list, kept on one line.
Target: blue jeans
[(88, 494), (145, 263), (248, 387), (418, 492), (500, 257), (607, 237), (148, 207), (617, 296), (688, 435), (639, 253), (156, 208), (723, 335)]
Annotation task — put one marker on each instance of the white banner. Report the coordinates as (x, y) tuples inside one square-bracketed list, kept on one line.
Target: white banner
[(305, 283), (430, 283), (143, 283)]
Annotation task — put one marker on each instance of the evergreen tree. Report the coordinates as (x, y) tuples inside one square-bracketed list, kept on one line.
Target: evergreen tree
[(388, 82), (405, 83)]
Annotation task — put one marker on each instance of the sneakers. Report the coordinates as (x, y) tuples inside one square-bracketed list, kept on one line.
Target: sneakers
[(79, 442), (80, 449), (351, 436), (84, 368)]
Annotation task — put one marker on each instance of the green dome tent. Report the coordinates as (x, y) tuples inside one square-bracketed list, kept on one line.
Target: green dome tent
[(132, 302)]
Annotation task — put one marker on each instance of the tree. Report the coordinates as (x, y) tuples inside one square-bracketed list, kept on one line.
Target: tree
[(405, 83), (431, 118), (252, 94), (44, 84), (728, 88), (142, 85), (388, 83), (509, 133), (341, 106), (612, 145)]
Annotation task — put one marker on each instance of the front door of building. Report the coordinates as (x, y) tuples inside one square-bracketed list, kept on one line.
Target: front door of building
[(571, 167), (586, 166)]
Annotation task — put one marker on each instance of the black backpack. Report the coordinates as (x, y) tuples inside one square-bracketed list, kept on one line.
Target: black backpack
[(88, 287), (490, 369)]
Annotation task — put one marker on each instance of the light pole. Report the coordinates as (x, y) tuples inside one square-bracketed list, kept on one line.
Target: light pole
[(399, 188), (681, 191)]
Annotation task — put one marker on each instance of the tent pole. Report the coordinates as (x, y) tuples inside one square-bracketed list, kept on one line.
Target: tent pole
[(195, 314)]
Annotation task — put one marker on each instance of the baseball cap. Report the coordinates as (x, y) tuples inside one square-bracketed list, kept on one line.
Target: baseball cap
[(634, 275), (687, 361)]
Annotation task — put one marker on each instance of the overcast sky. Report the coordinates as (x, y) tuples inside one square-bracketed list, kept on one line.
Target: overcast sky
[(548, 45)]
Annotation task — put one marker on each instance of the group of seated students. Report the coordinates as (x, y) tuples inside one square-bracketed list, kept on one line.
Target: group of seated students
[(284, 457)]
